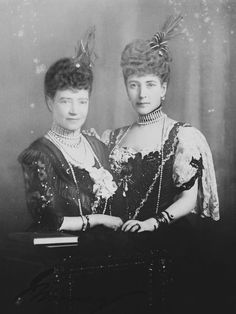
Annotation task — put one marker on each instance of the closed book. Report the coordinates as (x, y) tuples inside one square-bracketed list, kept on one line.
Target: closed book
[(42, 238), (55, 238)]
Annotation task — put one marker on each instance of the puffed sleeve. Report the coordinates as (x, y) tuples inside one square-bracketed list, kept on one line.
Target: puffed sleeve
[(193, 160), (39, 177)]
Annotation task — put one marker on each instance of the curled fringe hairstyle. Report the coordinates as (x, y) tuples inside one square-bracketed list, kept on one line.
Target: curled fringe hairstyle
[(141, 57)]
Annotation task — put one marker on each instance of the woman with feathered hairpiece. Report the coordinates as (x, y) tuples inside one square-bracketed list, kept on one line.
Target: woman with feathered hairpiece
[(68, 185), (164, 167)]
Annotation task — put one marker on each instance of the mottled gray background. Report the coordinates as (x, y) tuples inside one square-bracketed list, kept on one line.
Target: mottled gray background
[(202, 88), (202, 91)]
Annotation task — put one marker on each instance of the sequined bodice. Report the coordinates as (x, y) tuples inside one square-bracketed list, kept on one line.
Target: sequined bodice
[(138, 174)]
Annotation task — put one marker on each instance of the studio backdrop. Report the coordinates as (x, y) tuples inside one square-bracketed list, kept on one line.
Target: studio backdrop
[(202, 89)]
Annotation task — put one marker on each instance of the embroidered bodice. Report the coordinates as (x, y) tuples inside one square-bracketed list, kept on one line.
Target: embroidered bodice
[(51, 192), (186, 158)]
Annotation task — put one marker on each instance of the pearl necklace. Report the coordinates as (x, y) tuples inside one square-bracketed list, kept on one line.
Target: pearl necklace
[(67, 151), (151, 117), (65, 137), (73, 150), (158, 173), (54, 137)]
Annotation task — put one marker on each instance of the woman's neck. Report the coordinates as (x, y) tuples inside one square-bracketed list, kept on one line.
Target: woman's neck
[(65, 133)]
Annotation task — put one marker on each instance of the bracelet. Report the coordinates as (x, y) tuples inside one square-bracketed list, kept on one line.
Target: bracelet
[(170, 216), (88, 223), (156, 225), (59, 222), (84, 225), (164, 214), (161, 221)]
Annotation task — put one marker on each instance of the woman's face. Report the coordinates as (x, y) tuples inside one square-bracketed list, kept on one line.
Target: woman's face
[(145, 92), (70, 108)]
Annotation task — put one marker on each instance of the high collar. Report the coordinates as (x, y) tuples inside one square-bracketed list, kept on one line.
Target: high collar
[(65, 133)]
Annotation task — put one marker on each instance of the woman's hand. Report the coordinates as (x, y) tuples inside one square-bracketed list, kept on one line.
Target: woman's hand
[(139, 226), (110, 222)]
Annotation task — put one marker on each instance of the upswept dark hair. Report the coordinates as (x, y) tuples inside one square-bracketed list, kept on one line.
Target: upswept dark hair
[(138, 59), (66, 74)]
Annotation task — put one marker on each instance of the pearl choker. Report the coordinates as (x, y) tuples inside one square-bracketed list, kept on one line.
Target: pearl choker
[(64, 133), (151, 117), (66, 137)]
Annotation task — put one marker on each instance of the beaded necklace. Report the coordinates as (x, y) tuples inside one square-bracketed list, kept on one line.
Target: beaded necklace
[(160, 172), (151, 117), (54, 138), (69, 138)]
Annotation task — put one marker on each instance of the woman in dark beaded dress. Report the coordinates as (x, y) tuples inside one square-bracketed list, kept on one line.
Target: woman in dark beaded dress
[(164, 171), (164, 168), (67, 178)]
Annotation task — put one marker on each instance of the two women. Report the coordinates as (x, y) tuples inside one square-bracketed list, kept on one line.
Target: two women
[(163, 168)]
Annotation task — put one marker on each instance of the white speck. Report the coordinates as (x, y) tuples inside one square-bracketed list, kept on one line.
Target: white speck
[(36, 60), (20, 33), (196, 15), (204, 41), (211, 110), (217, 9), (190, 39), (32, 132), (32, 106), (199, 26), (232, 32), (207, 19), (41, 68)]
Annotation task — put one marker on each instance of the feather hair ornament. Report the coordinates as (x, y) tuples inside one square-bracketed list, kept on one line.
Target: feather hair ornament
[(84, 51), (160, 40)]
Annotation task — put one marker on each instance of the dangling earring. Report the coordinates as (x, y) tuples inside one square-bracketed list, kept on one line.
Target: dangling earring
[(162, 99)]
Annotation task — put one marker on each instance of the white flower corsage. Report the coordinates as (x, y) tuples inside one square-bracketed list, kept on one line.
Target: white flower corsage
[(104, 186)]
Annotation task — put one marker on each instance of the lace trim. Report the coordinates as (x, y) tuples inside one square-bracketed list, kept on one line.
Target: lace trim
[(169, 150)]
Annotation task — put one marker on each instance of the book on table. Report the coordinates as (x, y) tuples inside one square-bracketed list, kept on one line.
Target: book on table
[(48, 238), (55, 239)]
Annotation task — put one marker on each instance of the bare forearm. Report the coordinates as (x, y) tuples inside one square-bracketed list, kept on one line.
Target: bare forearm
[(72, 224), (77, 223), (184, 204), (85, 222)]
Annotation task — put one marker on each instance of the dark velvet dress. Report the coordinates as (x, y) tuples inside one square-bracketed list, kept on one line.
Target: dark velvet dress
[(186, 158), (51, 192)]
